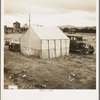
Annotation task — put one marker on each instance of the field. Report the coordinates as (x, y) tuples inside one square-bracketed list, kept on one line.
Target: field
[(72, 72)]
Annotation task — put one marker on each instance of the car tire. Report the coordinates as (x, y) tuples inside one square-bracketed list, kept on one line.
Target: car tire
[(16, 48), (10, 48), (82, 51), (91, 52)]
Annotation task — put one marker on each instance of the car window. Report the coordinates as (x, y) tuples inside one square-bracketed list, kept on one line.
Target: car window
[(74, 38), (79, 39)]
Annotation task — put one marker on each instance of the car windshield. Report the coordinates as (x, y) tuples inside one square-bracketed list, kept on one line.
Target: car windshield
[(79, 38)]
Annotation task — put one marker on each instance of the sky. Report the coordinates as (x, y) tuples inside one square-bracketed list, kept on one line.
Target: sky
[(50, 12)]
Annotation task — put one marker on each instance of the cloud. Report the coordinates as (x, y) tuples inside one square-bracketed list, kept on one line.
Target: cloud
[(80, 19), (51, 12), (48, 6)]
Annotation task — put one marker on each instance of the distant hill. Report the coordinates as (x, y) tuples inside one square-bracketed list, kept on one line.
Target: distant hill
[(70, 26), (85, 29)]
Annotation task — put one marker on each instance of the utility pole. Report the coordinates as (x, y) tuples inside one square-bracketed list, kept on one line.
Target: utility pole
[(29, 20)]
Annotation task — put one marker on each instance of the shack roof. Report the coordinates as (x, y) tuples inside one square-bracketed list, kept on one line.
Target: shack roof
[(48, 32)]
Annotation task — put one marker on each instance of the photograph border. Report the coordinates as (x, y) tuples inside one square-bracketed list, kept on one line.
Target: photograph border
[(55, 94)]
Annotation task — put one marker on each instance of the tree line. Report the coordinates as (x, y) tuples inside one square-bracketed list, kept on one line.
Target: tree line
[(76, 30)]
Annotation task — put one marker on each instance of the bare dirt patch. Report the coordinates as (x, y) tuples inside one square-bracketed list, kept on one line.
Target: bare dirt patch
[(72, 72)]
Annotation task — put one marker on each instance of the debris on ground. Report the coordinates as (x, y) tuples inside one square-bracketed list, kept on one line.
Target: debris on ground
[(46, 80), (50, 75), (66, 56), (24, 76), (40, 85), (94, 38), (44, 86), (71, 77), (10, 77), (12, 87)]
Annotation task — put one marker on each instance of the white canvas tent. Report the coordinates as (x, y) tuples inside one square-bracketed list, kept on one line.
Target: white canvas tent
[(44, 42)]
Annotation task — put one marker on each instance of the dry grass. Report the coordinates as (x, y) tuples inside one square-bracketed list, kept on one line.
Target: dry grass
[(73, 72)]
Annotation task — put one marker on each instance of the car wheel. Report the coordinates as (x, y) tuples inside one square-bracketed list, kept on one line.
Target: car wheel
[(91, 52), (82, 51), (10, 47), (16, 48)]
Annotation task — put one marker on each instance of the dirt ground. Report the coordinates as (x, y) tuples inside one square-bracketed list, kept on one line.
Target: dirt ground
[(72, 72)]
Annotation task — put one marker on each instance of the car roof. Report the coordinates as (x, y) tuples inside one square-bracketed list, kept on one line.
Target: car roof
[(74, 36), (15, 42)]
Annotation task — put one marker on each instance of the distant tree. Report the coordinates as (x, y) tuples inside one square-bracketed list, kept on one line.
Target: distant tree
[(66, 29), (77, 30)]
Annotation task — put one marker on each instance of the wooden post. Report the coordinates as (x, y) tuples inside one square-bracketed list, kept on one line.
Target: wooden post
[(61, 47), (55, 47)]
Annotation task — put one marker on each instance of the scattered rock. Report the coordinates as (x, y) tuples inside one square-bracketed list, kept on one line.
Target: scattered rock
[(40, 85), (78, 62), (66, 55), (34, 80), (44, 86), (50, 75), (19, 74), (15, 75), (31, 80), (73, 75), (10, 77), (46, 80), (42, 62), (37, 85), (70, 79), (15, 80), (24, 76)]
